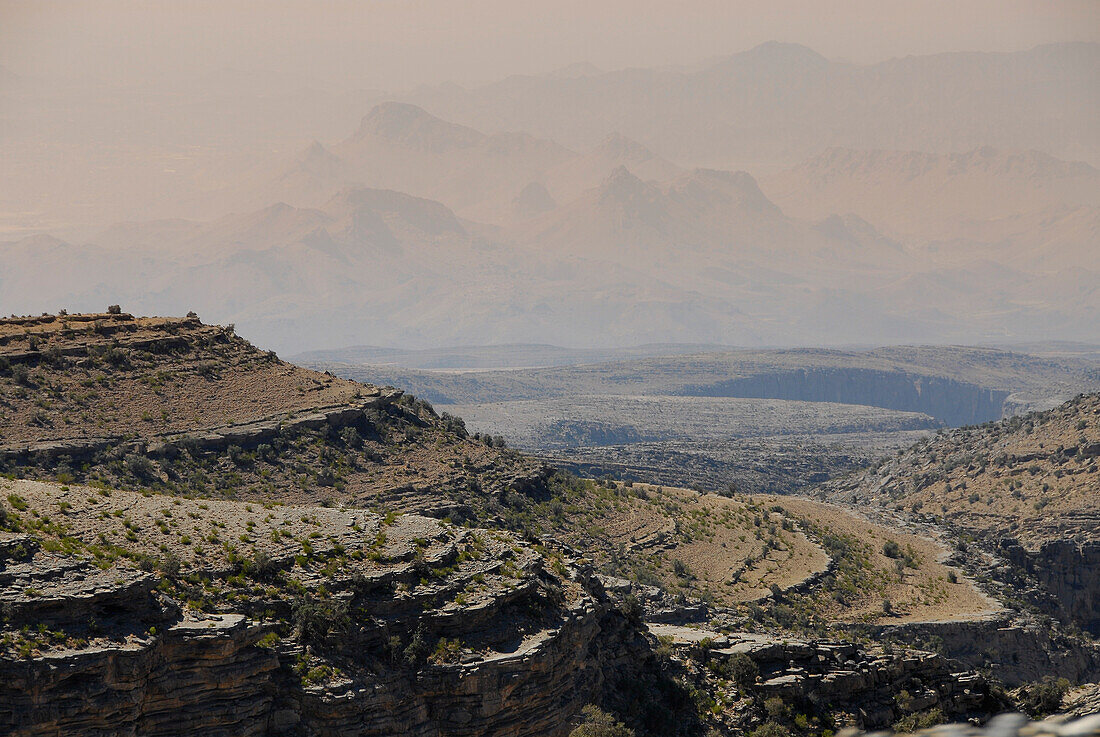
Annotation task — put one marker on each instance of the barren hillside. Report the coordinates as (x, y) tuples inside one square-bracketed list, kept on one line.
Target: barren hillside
[(1025, 488), (177, 405)]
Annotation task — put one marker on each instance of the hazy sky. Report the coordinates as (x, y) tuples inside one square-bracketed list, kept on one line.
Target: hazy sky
[(393, 44)]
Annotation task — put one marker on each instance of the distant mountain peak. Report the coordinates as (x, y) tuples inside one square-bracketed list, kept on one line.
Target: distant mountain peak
[(618, 146), (779, 52), (319, 161), (531, 201), (740, 185), (414, 127), (620, 185), (316, 149), (425, 215)]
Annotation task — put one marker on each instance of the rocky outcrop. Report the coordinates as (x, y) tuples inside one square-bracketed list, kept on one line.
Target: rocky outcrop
[(1015, 651), (871, 687), (1082, 701), (417, 627), (1070, 572), (207, 675), (245, 435), (202, 676), (534, 690), (1009, 725)]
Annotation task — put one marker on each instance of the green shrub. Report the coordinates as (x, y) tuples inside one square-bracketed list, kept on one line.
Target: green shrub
[(1043, 697), (417, 650), (316, 620), (770, 729), (923, 720), (743, 670), (598, 723)]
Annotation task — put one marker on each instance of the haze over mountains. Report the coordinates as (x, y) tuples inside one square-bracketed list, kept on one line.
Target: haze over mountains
[(783, 102), (597, 209)]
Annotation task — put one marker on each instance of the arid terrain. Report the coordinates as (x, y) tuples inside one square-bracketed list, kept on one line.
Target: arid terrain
[(1026, 488), (272, 515), (706, 416), (550, 369)]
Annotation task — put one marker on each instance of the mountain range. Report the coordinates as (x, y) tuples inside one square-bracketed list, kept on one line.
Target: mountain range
[(419, 231), (781, 103)]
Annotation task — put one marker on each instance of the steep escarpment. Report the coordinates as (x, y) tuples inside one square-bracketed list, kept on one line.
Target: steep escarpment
[(126, 613), (1026, 488), (1069, 571), (1016, 649), (139, 613), (949, 401)]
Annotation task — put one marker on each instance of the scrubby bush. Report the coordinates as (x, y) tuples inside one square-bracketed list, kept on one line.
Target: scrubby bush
[(140, 467), (775, 708), (743, 670), (598, 723), (351, 437), (770, 729), (418, 648), (632, 608), (21, 374), (260, 568), (1044, 697), (923, 720), (316, 620)]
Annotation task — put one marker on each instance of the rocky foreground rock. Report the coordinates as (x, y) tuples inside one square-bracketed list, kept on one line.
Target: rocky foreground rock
[(1008, 725), (131, 614)]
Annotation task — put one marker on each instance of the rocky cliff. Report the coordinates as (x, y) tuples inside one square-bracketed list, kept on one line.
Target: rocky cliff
[(392, 625), (822, 684), (1069, 571)]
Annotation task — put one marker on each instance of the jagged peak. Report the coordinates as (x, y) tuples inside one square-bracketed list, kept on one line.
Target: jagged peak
[(415, 127), (852, 227), (618, 146), (621, 184), (734, 187), (777, 53), (418, 212), (316, 151)]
